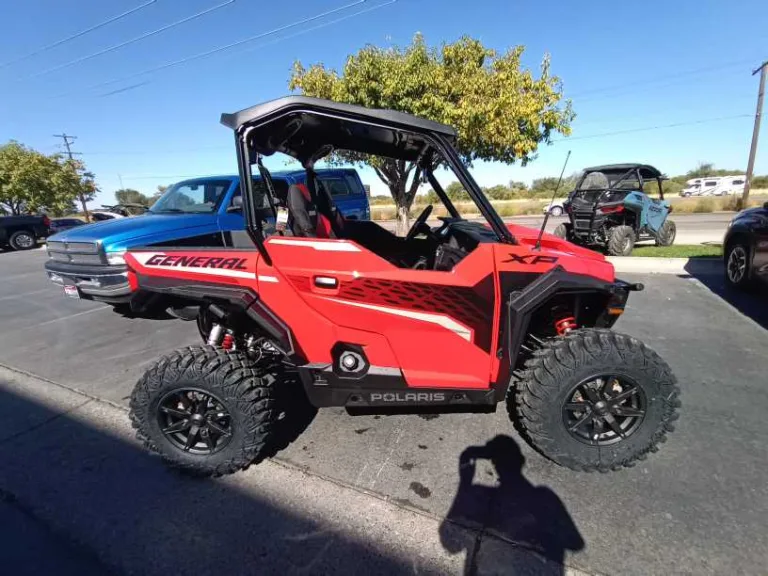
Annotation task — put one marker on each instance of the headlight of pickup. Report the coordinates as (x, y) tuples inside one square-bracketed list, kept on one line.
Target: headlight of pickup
[(115, 258)]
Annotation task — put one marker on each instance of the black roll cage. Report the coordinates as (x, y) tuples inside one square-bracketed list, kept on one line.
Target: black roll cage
[(436, 141)]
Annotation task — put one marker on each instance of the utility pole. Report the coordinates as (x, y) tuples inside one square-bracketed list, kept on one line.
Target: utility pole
[(67, 143), (755, 133)]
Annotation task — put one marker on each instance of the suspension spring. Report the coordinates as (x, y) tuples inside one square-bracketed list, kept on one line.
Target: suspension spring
[(565, 325)]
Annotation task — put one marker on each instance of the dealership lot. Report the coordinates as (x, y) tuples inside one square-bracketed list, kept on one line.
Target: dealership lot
[(698, 506)]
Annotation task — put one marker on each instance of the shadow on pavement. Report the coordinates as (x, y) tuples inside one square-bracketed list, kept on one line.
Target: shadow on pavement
[(751, 303), (532, 517), (86, 502)]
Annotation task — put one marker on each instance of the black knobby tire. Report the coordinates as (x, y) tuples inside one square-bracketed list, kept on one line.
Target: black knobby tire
[(667, 233), (621, 240), (22, 240), (561, 231), (543, 390), (738, 259), (246, 393)]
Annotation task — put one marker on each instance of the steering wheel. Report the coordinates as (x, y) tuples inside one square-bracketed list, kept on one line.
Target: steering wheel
[(420, 221)]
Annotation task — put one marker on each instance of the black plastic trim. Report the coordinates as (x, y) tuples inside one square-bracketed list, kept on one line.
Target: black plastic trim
[(523, 303)]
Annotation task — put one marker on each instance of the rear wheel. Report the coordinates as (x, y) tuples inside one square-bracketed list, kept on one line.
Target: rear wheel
[(737, 264), (562, 232), (206, 410), (666, 234), (22, 240), (621, 240), (595, 400)]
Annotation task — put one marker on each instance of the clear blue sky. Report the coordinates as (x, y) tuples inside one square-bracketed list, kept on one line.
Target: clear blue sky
[(626, 65)]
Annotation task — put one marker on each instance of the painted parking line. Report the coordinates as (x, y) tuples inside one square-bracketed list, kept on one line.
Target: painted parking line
[(70, 316)]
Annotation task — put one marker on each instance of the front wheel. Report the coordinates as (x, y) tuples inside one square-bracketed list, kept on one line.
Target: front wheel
[(621, 240), (666, 234), (595, 400), (206, 410)]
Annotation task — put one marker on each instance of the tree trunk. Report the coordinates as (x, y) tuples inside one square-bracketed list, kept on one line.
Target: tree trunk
[(402, 221), (85, 209)]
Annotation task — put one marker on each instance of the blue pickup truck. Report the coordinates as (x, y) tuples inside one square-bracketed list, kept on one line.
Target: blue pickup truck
[(207, 212)]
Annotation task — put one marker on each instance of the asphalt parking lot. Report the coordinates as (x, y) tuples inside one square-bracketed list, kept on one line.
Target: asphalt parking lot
[(699, 506)]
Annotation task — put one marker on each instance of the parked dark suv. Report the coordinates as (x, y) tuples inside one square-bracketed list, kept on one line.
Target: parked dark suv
[(745, 247)]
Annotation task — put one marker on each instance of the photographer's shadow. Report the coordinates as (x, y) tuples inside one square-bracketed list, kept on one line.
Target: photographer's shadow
[(533, 517)]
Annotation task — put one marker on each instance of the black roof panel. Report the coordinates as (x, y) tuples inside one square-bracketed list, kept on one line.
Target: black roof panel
[(647, 169), (390, 117)]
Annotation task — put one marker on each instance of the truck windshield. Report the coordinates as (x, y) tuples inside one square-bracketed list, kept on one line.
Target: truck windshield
[(192, 197)]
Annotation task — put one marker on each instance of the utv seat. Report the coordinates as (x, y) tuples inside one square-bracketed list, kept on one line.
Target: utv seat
[(307, 220)]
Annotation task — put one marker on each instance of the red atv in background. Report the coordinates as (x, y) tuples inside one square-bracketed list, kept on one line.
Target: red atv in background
[(456, 317)]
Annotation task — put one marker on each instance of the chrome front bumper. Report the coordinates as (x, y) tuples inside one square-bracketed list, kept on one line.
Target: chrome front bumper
[(108, 283)]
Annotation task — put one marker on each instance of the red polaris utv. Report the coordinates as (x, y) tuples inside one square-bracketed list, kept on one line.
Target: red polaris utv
[(456, 317)]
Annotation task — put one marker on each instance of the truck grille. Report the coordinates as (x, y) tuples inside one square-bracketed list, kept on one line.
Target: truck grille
[(76, 252)]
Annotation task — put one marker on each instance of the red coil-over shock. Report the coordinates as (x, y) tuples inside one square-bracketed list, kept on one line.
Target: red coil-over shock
[(565, 325), (228, 341)]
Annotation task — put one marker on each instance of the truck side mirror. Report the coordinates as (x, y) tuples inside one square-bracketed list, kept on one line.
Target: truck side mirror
[(237, 204)]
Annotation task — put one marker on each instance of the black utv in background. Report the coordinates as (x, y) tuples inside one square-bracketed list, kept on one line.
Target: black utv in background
[(610, 209), (23, 232)]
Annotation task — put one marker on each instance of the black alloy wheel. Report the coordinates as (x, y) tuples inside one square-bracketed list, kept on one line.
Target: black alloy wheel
[(737, 265), (604, 410), (194, 421)]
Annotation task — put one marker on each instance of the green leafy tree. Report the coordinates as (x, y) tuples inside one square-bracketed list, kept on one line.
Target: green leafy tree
[(456, 193), (31, 182), (131, 196), (501, 111)]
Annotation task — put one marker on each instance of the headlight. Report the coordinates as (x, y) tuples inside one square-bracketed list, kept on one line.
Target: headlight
[(115, 258)]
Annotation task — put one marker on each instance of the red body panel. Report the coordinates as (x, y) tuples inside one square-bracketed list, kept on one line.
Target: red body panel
[(441, 329)]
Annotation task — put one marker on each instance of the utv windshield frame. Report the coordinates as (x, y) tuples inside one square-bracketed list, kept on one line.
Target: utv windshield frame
[(309, 129)]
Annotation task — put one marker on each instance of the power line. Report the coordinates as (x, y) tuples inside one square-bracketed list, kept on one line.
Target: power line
[(648, 128), (646, 82), (228, 46), (261, 45), (78, 34), (585, 137), (128, 42)]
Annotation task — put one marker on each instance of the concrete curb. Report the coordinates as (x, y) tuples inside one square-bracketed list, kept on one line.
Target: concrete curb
[(678, 266)]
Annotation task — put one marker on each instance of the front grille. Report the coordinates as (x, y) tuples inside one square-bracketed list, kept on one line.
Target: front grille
[(76, 252)]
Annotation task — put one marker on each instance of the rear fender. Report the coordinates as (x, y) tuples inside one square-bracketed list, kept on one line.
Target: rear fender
[(225, 277)]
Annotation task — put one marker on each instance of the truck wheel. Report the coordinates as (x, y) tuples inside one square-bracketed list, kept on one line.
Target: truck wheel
[(205, 410), (667, 233), (595, 400), (22, 240), (562, 232), (621, 240)]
